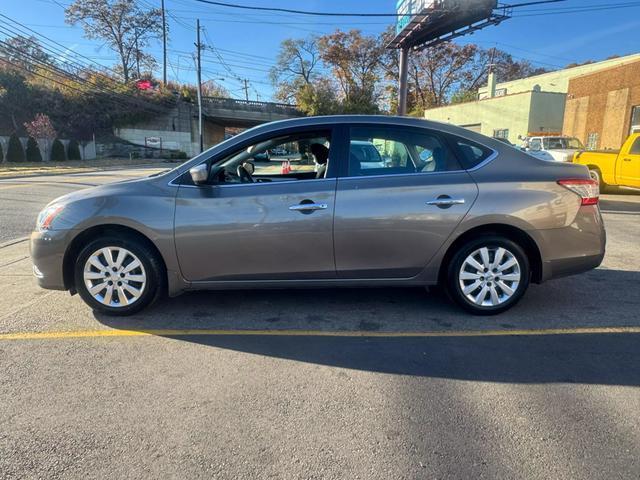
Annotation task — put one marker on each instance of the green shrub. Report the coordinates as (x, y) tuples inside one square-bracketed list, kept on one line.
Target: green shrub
[(33, 151), (15, 152), (73, 151), (57, 151)]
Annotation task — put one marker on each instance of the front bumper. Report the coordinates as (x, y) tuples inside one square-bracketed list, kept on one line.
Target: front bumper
[(47, 255)]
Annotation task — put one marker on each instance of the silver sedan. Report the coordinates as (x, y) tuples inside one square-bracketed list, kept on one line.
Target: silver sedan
[(446, 206)]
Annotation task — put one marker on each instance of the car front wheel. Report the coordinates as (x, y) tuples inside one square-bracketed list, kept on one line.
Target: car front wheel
[(488, 275), (118, 276)]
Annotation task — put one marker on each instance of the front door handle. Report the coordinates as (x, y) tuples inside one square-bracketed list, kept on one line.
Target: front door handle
[(446, 202), (627, 159), (308, 207)]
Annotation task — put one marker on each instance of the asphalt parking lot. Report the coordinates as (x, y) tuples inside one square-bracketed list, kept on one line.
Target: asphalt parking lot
[(377, 383)]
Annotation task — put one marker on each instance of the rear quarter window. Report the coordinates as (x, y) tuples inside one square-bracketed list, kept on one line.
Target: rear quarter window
[(471, 154)]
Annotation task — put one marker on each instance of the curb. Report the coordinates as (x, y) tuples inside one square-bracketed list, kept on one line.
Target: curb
[(94, 170)]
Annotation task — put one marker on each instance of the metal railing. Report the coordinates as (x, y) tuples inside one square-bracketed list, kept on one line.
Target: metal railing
[(250, 105)]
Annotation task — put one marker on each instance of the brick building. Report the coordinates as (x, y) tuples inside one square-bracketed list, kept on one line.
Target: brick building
[(603, 107)]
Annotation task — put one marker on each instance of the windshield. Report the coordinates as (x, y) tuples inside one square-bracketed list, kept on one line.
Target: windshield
[(562, 143)]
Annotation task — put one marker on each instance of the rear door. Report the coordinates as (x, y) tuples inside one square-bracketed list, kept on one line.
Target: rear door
[(629, 166), (390, 221)]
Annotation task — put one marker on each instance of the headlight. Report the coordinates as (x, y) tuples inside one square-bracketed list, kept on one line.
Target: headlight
[(47, 216)]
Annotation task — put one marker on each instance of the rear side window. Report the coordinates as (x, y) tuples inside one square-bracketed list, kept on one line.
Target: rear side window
[(471, 154), (378, 150)]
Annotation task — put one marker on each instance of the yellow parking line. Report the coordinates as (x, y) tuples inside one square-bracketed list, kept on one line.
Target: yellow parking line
[(312, 333)]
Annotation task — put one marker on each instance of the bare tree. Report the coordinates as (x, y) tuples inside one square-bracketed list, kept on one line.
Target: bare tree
[(295, 67), (25, 53), (122, 24)]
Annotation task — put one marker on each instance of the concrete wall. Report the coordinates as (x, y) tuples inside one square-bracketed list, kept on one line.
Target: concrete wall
[(87, 153), (174, 128), (601, 103), (170, 140), (557, 81)]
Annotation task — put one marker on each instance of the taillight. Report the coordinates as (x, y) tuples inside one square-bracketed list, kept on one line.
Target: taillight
[(587, 190)]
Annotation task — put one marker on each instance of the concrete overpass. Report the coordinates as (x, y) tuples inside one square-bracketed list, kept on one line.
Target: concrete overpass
[(245, 113), (178, 128)]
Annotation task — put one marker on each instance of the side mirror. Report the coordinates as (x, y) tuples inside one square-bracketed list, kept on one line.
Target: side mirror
[(199, 174)]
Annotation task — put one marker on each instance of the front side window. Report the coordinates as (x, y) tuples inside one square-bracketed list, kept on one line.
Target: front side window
[(385, 151), (635, 148), (292, 157)]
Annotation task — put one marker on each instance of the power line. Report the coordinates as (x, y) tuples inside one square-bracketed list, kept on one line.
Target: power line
[(300, 12), (574, 10), (49, 69), (54, 51)]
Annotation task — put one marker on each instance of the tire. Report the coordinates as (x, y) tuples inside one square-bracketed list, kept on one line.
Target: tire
[(147, 279), (499, 294), (596, 175)]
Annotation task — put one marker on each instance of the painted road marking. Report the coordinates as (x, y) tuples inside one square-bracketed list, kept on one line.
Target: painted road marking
[(312, 333)]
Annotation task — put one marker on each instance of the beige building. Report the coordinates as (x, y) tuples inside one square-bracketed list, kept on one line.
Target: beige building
[(520, 107)]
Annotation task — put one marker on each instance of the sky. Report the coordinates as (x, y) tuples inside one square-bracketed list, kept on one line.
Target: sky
[(246, 43)]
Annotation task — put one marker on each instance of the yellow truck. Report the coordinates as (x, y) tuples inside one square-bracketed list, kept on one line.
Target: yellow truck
[(614, 168)]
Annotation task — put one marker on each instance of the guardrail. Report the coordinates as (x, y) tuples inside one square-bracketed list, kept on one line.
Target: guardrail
[(250, 105)]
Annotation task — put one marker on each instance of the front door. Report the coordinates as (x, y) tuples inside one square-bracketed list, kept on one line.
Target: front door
[(404, 195), (629, 166), (275, 223)]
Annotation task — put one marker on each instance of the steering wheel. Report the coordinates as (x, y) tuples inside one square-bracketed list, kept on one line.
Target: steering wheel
[(245, 176)]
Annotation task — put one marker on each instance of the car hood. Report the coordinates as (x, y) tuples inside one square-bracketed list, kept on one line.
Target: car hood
[(114, 188)]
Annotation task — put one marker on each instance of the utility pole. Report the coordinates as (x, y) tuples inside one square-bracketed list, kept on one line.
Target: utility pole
[(164, 46), (403, 87), (199, 70), (246, 89), (137, 55)]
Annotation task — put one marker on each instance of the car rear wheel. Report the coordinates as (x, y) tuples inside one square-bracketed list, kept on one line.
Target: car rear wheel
[(118, 276), (488, 275)]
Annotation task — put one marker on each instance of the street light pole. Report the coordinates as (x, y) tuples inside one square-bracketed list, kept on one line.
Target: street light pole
[(199, 70)]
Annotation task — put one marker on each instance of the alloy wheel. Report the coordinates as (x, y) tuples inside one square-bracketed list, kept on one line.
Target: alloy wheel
[(114, 276), (490, 276)]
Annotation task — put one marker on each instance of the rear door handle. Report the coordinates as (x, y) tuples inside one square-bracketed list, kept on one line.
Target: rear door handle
[(303, 207), (446, 202)]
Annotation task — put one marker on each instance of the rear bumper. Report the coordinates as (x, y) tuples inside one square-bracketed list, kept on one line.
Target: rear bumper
[(47, 254), (570, 266), (574, 249)]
